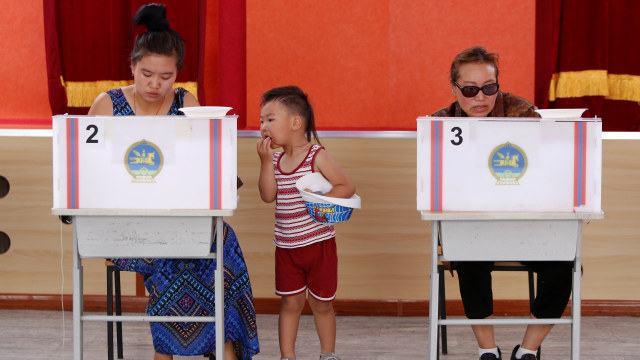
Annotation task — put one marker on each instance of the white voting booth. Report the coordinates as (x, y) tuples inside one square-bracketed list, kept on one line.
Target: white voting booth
[(508, 189), (145, 186)]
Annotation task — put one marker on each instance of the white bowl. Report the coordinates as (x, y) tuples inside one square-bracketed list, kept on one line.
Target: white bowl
[(560, 113), (205, 111), (318, 184), (325, 209)]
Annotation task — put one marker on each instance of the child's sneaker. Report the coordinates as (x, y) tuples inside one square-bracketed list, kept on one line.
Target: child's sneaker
[(329, 356), (525, 356), (491, 356)]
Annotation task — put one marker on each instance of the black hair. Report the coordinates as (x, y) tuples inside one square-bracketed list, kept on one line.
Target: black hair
[(476, 54), (159, 38), (297, 102)]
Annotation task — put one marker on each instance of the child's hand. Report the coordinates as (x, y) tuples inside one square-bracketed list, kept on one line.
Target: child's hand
[(267, 181), (313, 192), (264, 149)]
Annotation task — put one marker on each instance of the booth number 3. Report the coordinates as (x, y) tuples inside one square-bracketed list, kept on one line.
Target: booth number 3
[(457, 135)]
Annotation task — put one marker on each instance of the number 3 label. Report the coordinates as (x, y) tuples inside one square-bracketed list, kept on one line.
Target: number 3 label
[(457, 131), (457, 134)]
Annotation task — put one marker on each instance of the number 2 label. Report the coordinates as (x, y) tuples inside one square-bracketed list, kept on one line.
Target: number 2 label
[(92, 137), (91, 133)]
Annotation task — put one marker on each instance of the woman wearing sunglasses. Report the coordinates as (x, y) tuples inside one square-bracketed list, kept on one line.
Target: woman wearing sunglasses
[(474, 83)]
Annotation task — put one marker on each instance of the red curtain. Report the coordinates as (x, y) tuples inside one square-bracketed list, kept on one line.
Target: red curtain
[(89, 44), (57, 95), (232, 58), (586, 58)]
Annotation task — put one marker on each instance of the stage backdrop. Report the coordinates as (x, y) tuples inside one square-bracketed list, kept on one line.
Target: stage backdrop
[(375, 65), (89, 45), (587, 57)]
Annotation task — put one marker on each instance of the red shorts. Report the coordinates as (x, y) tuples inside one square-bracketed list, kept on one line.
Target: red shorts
[(313, 267)]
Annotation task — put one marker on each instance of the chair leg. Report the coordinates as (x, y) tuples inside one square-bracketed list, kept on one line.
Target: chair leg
[(118, 312), (532, 292), (109, 312), (532, 297), (443, 309)]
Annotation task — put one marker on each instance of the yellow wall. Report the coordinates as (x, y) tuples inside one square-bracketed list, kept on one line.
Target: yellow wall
[(383, 249)]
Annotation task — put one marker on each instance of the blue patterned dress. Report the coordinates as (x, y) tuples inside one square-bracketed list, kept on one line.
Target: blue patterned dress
[(185, 287), (121, 106)]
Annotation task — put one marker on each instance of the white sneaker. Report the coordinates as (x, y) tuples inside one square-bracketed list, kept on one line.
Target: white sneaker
[(329, 356)]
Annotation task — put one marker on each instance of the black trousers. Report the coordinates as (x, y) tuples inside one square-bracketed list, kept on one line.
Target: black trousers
[(552, 295)]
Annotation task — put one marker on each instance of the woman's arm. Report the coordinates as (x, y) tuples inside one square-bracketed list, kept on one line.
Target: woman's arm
[(102, 105), (343, 187), (190, 100)]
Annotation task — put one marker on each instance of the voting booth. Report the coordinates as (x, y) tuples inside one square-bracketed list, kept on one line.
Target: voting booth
[(508, 189), (145, 186)]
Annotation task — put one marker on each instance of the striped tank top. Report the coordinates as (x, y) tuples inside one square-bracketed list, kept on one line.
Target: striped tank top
[(294, 227)]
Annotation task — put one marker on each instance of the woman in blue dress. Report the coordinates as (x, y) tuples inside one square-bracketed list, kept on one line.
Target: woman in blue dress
[(180, 286)]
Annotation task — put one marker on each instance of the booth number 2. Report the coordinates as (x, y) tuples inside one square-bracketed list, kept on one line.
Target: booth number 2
[(93, 129), (91, 133)]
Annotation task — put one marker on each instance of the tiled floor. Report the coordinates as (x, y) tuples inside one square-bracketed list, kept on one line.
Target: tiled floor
[(31, 335)]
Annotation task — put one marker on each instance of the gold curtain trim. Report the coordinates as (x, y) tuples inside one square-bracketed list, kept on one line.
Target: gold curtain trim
[(624, 87), (573, 84), (82, 93)]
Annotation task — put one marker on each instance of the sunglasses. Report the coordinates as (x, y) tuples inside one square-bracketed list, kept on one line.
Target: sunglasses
[(471, 91)]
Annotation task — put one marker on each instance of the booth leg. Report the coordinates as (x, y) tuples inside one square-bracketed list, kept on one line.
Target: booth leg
[(433, 300), (576, 298), (118, 312), (110, 272), (77, 298), (219, 289)]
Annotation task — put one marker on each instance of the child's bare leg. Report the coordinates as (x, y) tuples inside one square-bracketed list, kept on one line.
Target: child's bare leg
[(325, 319), (158, 356), (290, 310)]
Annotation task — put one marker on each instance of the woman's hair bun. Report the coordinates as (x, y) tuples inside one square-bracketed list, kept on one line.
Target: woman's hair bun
[(153, 16)]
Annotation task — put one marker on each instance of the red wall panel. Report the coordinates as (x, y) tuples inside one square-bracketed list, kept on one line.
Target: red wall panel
[(380, 63), (23, 77)]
